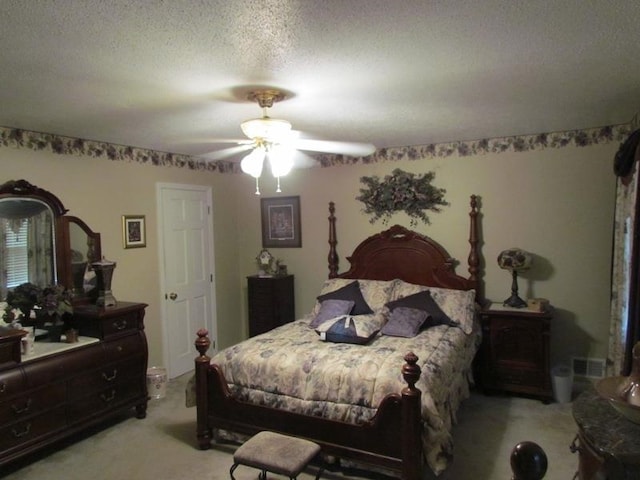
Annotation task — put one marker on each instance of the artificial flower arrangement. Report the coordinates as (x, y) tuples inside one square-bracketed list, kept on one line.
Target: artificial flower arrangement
[(28, 304), (401, 191)]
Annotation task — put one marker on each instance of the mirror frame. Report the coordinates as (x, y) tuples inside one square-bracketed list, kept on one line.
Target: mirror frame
[(62, 237)]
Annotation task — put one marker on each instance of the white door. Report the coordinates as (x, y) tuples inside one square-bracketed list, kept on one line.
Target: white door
[(186, 249)]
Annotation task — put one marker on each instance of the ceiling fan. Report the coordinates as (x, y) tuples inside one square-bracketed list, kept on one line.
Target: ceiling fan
[(273, 139)]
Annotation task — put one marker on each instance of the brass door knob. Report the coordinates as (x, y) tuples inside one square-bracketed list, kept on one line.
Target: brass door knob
[(173, 296)]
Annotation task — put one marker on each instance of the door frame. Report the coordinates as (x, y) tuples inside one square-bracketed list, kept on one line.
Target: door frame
[(212, 324)]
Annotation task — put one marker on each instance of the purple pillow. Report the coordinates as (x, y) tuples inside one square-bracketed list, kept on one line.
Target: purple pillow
[(404, 322), (423, 301), (349, 292), (331, 309)]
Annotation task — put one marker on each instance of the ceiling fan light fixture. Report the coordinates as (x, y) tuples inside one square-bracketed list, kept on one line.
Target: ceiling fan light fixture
[(266, 128), (252, 163), (281, 159)]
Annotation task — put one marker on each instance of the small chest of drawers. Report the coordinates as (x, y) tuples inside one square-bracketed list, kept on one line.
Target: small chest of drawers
[(271, 302)]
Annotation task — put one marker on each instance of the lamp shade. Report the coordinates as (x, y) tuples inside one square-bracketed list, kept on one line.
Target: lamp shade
[(252, 163), (515, 259), (281, 159)]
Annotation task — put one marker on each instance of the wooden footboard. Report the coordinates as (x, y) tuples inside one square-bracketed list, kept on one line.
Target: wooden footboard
[(391, 439)]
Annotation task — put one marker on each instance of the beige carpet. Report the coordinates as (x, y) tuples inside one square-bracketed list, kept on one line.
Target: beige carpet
[(163, 446)]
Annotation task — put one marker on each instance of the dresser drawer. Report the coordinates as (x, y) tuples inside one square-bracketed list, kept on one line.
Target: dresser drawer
[(8, 354), (32, 402), (520, 377), (42, 372), (32, 429), (12, 382), (129, 346), (107, 376), (82, 359), (111, 397), (10, 347), (121, 324)]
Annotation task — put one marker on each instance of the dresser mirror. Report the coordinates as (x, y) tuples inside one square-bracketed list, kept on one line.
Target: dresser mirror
[(40, 244)]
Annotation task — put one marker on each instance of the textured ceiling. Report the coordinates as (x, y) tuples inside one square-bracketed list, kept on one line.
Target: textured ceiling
[(173, 75)]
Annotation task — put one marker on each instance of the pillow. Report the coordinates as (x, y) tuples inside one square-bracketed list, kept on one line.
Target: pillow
[(349, 292), (404, 322), (458, 305), (351, 329), (423, 301), (375, 292), (331, 309)]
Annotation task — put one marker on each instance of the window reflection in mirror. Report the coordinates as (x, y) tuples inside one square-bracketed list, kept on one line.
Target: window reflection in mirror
[(27, 243)]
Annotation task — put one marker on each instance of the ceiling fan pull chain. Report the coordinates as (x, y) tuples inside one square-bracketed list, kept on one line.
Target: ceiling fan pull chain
[(257, 186), (278, 189)]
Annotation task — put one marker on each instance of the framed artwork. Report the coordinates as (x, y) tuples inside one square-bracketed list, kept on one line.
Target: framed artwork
[(134, 233), (281, 222)]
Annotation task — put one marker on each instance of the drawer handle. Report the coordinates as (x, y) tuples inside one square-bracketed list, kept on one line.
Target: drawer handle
[(3, 387), (23, 409), (574, 447), (112, 377), (24, 432), (108, 398), (120, 324)]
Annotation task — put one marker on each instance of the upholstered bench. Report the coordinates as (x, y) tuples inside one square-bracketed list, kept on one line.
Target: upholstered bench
[(275, 453)]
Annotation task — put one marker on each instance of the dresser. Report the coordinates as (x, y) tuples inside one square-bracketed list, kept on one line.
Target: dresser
[(63, 388), (514, 354), (608, 445), (271, 302)]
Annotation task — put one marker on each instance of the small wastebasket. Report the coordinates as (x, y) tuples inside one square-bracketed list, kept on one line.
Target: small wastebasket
[(157, 382), (562, 383)]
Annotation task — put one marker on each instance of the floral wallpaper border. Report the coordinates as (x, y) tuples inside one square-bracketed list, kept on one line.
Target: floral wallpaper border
[(19, 138), (520, 143)]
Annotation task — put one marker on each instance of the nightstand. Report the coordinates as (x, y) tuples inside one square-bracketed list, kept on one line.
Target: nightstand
[(271, 302), (514, 354)]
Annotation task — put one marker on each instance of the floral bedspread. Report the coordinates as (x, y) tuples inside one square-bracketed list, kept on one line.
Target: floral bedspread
[(292, 369)]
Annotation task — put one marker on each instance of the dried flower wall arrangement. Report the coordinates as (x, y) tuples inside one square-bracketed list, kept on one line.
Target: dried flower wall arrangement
[(401, 191)]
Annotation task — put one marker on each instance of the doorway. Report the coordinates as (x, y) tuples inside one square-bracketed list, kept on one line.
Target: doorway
[(185, 226)]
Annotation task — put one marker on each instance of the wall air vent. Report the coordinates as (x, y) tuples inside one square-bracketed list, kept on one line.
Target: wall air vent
[(589, 367)]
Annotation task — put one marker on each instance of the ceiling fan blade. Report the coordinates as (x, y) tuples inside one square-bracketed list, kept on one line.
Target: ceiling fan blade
[(227, 152), (303, 160), (214, 141), (352, 149)]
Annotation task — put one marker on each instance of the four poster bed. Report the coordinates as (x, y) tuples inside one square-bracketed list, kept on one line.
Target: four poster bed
[(387, 400)]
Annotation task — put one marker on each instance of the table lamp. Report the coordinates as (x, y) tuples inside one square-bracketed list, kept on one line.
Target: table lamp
[(516, 260)]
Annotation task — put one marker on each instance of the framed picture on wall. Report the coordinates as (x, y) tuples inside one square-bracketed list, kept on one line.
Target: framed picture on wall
[(134, 233), (281, 222)]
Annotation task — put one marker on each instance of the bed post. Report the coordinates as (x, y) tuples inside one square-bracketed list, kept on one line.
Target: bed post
[(203, 432), (474, 256), (411, 420), (333, 255)]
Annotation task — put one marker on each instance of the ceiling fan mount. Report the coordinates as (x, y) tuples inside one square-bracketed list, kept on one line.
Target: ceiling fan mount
[(266, 97)]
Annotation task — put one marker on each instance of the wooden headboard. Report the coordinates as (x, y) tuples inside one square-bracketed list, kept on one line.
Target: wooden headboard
[(410, 256)]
